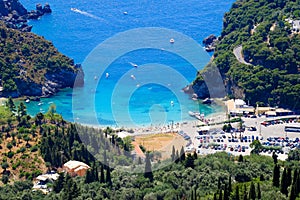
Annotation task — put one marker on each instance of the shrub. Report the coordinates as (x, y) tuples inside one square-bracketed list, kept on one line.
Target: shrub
[(24, 156), (5, 179), (36, 173), (21, 150), (34, 148), (10, 154), (22, 174), (16, 165)]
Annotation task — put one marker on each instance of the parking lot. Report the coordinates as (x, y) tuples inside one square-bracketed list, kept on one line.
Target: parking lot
[(273, 137)]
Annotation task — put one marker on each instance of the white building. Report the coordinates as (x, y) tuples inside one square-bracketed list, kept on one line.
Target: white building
[(296, 25), (42, 181), (239, 107)]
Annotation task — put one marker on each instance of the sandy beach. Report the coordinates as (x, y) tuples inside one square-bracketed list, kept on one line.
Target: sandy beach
[(221, 142)]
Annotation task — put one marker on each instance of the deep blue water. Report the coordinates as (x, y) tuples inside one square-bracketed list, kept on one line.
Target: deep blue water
[(149, 93)]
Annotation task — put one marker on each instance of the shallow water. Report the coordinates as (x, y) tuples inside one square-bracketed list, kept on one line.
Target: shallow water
[(152, 94)]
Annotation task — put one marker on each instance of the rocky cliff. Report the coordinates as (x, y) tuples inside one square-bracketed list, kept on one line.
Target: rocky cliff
[(32, 66), (15, 15)]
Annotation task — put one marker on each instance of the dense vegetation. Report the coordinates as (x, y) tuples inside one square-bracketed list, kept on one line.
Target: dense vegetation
[(26, 60), (32, 145), (269, 45), (217, 176), (29, 144), (20, 158)]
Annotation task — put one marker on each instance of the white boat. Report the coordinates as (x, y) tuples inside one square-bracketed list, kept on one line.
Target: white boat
[(193, 114), (133, 77), (106, 75), (75, 9), (172, 103), (27, 100), (125, 13), (197, 115), (172, 40), (207, 101), (133, 64), (41, 103)]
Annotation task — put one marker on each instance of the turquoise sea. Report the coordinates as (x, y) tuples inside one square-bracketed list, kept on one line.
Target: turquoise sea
[(122, 93)]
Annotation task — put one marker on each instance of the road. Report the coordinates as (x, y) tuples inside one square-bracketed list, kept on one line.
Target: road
[(237, 51)]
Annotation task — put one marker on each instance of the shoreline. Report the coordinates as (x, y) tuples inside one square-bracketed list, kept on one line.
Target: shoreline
[(216, 117), (175, 126)]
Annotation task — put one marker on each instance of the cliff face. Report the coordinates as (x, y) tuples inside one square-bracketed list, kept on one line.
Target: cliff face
[(32, 66), (258, 53), (9, 6), (53, 83)]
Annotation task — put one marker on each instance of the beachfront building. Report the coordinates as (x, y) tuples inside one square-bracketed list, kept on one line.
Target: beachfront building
[(239, 107), (123, 134), (272, 112), (75, 168), (283, 112)]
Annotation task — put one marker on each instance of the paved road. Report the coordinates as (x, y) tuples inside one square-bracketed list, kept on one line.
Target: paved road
[(237, 51)]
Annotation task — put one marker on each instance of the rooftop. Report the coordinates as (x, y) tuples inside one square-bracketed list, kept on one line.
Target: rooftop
[(73, 164), (44, 177)]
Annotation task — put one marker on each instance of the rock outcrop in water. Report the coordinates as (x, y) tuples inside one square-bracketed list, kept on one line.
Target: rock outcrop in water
[(210, 43), (15, 15), (197, 91), (40, 11)]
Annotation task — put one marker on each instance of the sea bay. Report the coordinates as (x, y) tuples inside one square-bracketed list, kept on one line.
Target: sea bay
[(76, 34)]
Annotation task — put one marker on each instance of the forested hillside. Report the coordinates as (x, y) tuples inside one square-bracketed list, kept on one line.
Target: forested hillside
[(32, 66), (271, 50), (29, 146)]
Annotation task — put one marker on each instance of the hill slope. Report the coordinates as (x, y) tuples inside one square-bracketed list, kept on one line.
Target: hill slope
[(32, 66), (269, 73)]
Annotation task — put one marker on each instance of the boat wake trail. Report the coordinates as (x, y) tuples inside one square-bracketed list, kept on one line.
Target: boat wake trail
[(87, 14)]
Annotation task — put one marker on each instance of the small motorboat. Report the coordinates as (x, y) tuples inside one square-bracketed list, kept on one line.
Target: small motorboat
[(74, 9), (133, 64), (27, 100), (133, 77), (207, 101), (106, 75), (125, 13), (172, 40), (193, 114)]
